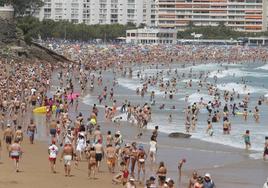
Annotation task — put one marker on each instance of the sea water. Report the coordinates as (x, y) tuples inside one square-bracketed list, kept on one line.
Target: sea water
[(229, 77)]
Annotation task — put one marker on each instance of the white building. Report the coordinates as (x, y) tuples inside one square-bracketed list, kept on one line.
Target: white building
[(93, 11), (151, 36), (150, 13)]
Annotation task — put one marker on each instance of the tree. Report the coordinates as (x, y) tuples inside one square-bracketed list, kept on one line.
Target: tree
[(142, 25), (23, 7), (32, 28)]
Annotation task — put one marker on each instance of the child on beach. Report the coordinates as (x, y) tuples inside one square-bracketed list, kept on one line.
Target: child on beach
[(247, 139), (122, 176)]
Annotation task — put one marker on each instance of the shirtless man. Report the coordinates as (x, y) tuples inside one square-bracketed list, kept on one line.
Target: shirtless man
[(8, 136), (15, 153), (193, 180), (19, 134), (99, 153), (67, 154), (53, 128), (31, 130), (111, 157)]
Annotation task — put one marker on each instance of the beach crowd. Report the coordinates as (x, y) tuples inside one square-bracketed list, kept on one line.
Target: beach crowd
[(26, 89)]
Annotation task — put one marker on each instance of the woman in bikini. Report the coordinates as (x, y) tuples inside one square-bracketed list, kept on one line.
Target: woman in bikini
[(141, 162), (92, 164), (161, 173)]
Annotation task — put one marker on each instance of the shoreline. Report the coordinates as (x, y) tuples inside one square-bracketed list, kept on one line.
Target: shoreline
[(221, 156), (230, 167)]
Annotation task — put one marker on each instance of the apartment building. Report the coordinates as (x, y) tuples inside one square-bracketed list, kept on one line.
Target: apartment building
[(241, 15), (93, 11), (150, 10)]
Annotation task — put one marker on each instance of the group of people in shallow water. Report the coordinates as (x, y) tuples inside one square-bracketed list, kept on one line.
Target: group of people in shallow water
[(222, 106), (26, 86)]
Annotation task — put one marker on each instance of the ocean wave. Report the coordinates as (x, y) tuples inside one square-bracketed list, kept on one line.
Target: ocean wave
[(134, 84), (235, 73), (196, 97), (241, 88), (264, 67)]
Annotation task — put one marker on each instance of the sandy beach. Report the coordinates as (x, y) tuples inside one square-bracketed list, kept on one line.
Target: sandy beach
[(35, 171)]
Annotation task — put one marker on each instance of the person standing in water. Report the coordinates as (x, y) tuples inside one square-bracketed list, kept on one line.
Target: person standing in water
[(247, 139), (256, 114), (210, 129), (265, 151)]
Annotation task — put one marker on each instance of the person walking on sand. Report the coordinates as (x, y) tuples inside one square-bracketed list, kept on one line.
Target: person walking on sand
[(19, 134), (67, 156), (141, 162), (133, 157), (15, 153), (8, 136), (92, 163), (99, 153), (53, 151), (111, 157), (31, 130), (161, 173), (208, 183), (247, 139)]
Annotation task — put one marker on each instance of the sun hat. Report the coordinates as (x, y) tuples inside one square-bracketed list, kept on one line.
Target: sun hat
[(208, 175)]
